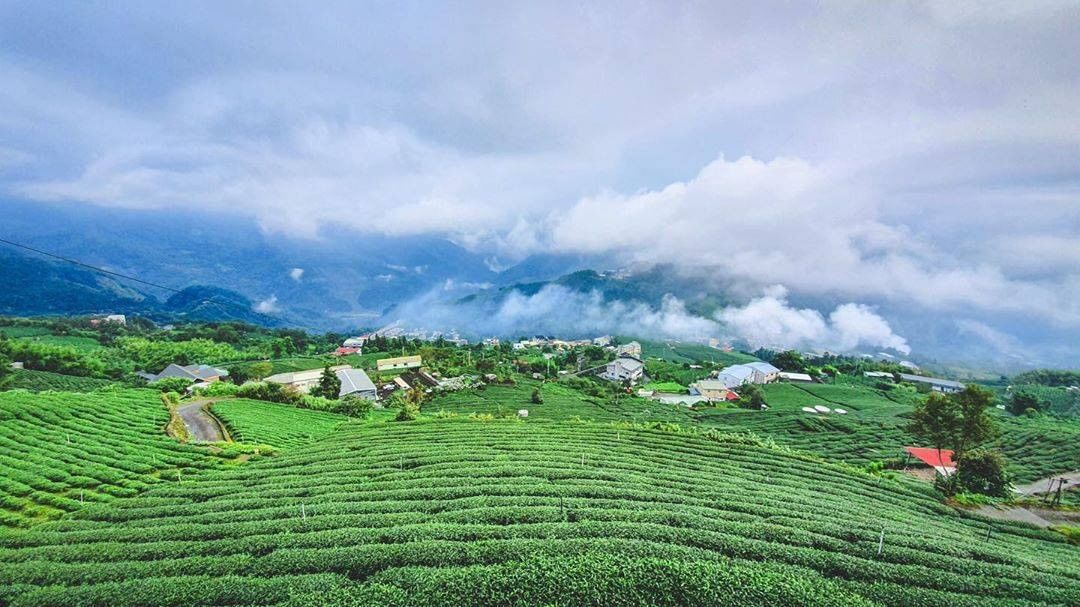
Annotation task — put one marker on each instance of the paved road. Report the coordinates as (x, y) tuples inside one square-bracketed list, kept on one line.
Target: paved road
[(1013, 514), (1043, 485), (200, 424)]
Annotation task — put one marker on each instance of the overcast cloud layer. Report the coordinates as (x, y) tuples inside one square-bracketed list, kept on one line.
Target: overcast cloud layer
[(913, 153)]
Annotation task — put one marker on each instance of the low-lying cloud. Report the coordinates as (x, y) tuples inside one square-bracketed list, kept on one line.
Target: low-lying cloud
[(770, 321), (556, 310)]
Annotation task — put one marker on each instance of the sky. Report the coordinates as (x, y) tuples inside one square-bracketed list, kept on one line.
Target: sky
[(908, 154)]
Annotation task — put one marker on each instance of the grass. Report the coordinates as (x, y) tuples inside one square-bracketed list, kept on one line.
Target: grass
[(80, 344), (59, 450), (13, 332), (561, 402), (41, 381), (456, 512), (683, 352), (282, 426), (665, 386)]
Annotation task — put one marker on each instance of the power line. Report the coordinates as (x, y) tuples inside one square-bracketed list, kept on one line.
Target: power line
[(88, 266), (100, 270)]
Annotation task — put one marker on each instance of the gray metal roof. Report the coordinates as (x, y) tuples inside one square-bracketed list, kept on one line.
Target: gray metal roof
[(354, 380), (947, 383)]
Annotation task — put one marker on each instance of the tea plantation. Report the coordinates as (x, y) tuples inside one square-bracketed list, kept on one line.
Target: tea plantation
[(451, 512), (59, 451), (253, 421)]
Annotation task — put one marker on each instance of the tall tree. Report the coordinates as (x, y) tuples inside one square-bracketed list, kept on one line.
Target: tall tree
[(329, 384), (937, 421)]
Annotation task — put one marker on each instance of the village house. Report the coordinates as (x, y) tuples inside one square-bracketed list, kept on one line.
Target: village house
[(400, 362), (195, 373), (749, 373), (624, 368), (345, 351), (713, 390), (946, 386), (632, 349), (354, 342), (355, 382), (303, 381), (797, 377)]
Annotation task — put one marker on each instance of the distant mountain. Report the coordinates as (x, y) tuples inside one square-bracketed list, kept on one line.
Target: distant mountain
[(38, 286), (648, 286)]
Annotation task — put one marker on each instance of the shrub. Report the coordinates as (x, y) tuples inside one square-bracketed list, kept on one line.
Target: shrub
[(171, 384), (983, 472)]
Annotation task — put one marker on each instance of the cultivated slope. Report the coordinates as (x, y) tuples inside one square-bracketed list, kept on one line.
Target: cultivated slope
[(453, 512)]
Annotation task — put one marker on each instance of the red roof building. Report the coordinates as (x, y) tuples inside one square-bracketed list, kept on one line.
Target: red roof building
[(343, 351), (941, 461)]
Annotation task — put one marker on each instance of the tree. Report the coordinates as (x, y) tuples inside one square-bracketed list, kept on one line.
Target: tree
[(1021, 401), (976, 425), (751, 396), (789, 360), (407, 403), (537, 397), (329, 385), (937, 421), (958, 421), (354, 406), (983, 472), (261, 369)]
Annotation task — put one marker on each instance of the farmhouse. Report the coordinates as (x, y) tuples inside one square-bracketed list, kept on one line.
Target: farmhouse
[(947, 386), (713, 390), (803, 377), (357, 383), (345, 351), (749, 373), (401, 362), (632, 349), (195, 373), (624, 368), (354, 342), (941, 461), (303, 381)]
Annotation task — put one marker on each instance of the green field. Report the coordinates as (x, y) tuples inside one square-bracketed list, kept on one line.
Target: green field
[(554, 513), (282, 426), (40, 381), (81, 344), (560, 403), (59, 450), (14, 331), (683, 352)]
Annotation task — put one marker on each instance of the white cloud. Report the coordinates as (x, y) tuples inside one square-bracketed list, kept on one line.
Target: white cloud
[(296, 274), (885, 152), (268, 305), (770, 321)]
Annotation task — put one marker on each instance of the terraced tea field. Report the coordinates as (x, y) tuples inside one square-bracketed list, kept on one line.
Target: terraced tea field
[(40, 381), (59, 451), (560, 403), (451, 512), (281, 426)]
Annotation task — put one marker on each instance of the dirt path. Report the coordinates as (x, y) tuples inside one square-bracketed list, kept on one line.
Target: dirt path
[(1043, 484), (202, 426)]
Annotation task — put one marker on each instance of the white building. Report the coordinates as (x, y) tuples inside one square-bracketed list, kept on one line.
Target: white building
[(400, 362), (803, 377), (303, 381), (749, 373), (624, 368)]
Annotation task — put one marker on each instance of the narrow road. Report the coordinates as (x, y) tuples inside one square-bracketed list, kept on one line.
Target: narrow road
[(1016, 514), (1043, 485), (200, 424)]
